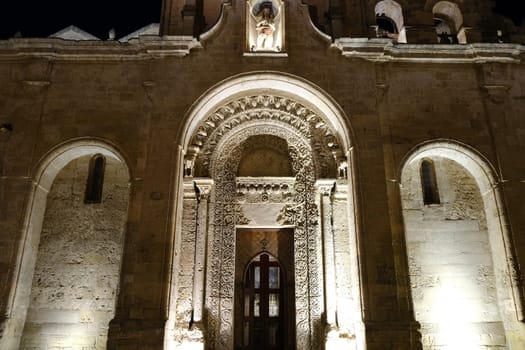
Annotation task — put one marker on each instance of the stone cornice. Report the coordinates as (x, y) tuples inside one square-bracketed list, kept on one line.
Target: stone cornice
[(156, 47), (383, 50), (145, 47)]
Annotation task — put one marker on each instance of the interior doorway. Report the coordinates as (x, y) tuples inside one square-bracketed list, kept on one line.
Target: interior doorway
[(263, 325), (264, 293)]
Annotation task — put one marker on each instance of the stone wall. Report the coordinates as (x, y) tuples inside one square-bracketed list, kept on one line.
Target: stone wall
[(138, 97), (77, 273), (450, 261)]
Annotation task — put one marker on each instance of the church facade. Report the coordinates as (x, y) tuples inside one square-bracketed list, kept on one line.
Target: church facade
[(267, 174)]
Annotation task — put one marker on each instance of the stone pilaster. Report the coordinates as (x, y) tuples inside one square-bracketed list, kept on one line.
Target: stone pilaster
[(324, 191), (204, 187)]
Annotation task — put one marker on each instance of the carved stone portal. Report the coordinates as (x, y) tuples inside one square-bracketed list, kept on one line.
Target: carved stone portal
[(218, 148)]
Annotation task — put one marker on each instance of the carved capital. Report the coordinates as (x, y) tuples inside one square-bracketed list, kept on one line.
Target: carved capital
[(205, 186), (496, 93), (325, 187), (148, 89), (34, 87), (189, 189)]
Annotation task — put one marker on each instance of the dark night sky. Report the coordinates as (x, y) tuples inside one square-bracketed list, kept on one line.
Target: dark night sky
[(40, 18)]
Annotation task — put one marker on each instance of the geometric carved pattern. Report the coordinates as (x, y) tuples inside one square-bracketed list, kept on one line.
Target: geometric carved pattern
[(265, 190), (220, 159), (322, 139)]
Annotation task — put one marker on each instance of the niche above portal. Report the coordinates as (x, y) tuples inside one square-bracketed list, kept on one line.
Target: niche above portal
[(265, 26)]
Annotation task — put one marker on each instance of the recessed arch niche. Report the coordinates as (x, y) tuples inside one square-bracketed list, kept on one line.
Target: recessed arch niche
[(265, 155), (461, 259), (51, 186), (299, 125)]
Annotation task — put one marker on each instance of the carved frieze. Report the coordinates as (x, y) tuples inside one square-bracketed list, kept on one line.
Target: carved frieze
[(264, 190), (270, 110)]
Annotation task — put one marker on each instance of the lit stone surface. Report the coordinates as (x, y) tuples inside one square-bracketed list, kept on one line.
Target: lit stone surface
[(219, 140), (76, 277), (452, 277)]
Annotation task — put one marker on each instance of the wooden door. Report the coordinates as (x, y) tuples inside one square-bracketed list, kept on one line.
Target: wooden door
[(263, 314)]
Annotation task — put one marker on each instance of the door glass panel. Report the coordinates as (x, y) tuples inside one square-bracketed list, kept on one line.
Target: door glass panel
[(257, 340), (246, 333), (247, 305), (257, 277), (272, 333), (273, 277), (262, 325), (273, 304), (256, 303)]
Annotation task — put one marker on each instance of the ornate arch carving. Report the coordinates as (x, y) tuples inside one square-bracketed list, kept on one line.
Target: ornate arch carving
[(226, 214), (271, 109)]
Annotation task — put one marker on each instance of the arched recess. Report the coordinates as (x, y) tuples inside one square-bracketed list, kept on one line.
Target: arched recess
[(449, 23), (283, 84), (214, 201), (464, 279), (43, 179), (389, 20)]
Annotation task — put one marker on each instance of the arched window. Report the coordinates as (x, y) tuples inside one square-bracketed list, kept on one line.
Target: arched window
[(386, 27), (95, 179), (429, 183), (449, 23), (389, 21)]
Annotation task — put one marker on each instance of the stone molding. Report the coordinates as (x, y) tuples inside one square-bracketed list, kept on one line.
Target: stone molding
[(383, 50), (496, 93), (158, 47), (226, 213), (144, 48)]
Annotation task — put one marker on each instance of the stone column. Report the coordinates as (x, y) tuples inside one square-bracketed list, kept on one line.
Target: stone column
[(345, 259), (324, 191), (179, 328), (204, 187)]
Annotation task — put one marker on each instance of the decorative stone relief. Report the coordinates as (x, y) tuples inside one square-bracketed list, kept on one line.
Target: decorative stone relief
[(466, 202), (274, 110), (216, 151), (226, 215)]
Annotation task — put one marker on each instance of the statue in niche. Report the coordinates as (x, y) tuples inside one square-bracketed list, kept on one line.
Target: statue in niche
[(265, 25)]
